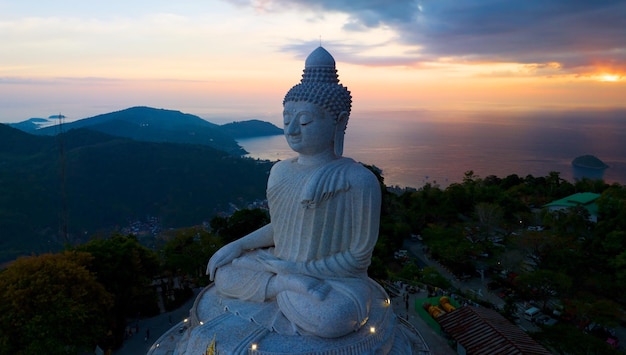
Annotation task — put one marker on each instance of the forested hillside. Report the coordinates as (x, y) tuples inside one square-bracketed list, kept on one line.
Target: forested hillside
[(102, 182), (251, 128), (149, 124)]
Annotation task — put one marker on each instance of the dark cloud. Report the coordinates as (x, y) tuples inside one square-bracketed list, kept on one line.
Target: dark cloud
[(578, 34), (573, 33), (365, 13)]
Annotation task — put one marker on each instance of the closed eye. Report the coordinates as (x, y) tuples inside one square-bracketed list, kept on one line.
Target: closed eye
[(287, 117), (305, 118)]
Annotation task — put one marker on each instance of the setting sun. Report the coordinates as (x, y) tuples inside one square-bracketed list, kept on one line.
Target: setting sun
[(610, 77)]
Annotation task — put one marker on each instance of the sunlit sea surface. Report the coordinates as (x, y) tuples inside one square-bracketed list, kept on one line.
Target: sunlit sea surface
[(418, 147)]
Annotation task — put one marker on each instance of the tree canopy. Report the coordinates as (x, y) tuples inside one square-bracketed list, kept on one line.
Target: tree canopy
[(126, 269), (52, 304)]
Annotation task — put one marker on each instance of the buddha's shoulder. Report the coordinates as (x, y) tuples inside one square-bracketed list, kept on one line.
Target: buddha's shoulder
[(280, 170), (282, 166), (353, 171), (359, 174)]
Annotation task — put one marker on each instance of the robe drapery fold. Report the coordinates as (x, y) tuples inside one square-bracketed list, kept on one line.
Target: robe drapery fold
[(337, 225), (325, 220)]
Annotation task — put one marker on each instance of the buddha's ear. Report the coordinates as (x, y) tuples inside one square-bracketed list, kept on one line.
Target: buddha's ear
[(342, 119), (340, 131)]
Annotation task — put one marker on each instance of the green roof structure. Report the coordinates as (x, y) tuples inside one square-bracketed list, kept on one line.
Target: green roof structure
[(584, 199)]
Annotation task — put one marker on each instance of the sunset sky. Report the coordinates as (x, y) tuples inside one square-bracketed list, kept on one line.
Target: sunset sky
[(237, 58)]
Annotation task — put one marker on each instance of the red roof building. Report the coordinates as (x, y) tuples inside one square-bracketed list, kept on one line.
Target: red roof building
[(479, 330)]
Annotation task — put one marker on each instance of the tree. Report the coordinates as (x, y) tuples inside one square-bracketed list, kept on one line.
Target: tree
[(188, 252), (239, 224), (509, 311), (51, 304), (393, 232), (432, 277), (600, 311), (553, 181), (611, 209), (554, 251), (573, 221), (544, 284), (409, 272), (458, 198), (378, 269), (126, 270), (489, 215), (511, 181), (566, 339), (449, 246), (619, 263), (590, 185), (511, 259)]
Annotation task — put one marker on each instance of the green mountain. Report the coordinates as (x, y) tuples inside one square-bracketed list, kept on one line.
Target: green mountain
[(159, 125), (110, 181), (250, 129), (33, 124)]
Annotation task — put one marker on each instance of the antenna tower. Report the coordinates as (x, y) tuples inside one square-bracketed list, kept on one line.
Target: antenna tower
[(63, 207)]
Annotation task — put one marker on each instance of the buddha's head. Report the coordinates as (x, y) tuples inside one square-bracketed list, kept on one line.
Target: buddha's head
[(320, 86)]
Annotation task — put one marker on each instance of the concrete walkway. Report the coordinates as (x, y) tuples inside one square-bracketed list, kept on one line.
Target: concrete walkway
[(437, 344), (139, 345)]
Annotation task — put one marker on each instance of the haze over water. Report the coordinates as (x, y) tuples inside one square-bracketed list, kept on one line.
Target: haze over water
[(416, 147)]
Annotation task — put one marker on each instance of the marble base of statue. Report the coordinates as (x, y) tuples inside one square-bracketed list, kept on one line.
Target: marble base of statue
[(234, 327)]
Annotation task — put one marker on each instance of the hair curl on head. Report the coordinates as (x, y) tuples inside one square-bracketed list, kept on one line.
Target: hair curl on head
[(320, 85)]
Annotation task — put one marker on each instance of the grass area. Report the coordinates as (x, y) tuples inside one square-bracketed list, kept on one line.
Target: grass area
[(425, 316)]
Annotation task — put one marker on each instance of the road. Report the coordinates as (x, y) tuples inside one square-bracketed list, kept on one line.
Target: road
[(472, 285)]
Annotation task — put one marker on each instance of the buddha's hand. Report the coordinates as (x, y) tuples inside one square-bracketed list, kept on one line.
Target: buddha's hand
[(225, 255), (305, 285), (276, 265)]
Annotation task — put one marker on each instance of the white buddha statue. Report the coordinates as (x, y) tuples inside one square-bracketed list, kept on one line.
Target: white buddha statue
[(299, 285), (312, 258)]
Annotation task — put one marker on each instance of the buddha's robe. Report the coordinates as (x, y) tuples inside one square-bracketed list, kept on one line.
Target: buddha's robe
[(325, 219)]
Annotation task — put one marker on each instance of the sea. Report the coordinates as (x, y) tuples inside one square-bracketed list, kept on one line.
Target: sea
[(413, 148)]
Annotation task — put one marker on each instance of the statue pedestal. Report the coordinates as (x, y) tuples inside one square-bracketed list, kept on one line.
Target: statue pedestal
[(237, 327)]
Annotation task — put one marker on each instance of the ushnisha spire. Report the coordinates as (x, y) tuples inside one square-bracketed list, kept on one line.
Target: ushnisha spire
[(320, 84)]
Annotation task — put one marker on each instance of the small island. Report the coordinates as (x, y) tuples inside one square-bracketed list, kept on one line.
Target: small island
[(588, 166), (589, 162)]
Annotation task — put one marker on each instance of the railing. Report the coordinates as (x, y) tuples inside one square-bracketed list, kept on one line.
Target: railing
[(419, 347)]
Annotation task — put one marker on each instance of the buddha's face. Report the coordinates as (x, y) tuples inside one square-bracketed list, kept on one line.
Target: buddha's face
[(309, 129)]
